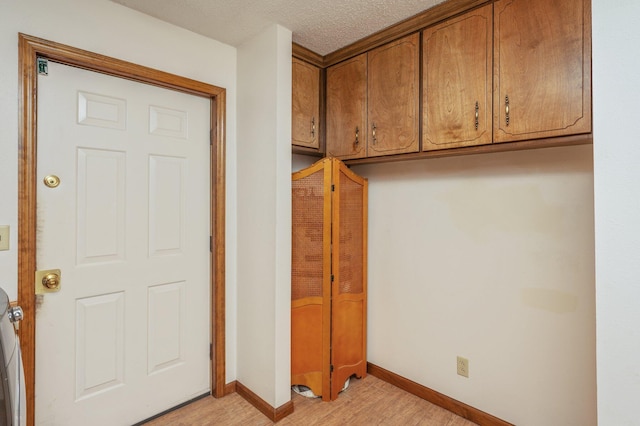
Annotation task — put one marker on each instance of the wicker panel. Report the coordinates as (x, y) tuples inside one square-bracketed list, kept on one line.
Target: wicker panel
[(351, 238), (306, 244)]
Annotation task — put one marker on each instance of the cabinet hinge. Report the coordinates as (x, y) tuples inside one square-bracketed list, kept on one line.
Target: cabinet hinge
[(333, 188), (331, 368), (332, 277)]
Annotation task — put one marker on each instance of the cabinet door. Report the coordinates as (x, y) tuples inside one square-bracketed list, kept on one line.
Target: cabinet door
[(305, 104), (542, 67), (456, 81), (393, 97), (347, 108)]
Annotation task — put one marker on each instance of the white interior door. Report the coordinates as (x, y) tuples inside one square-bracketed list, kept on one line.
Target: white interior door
[(127, 336)]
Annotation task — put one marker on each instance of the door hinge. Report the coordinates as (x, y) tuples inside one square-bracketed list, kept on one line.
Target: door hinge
[(333, 188), (43, 66), (332, 277), (210, 351), (331, 368), (210, 244), (211, 137)]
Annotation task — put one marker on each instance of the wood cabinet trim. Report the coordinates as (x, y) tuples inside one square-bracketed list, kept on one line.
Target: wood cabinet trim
[(413, 24), (583, 139), (304, 54), (301, 150)]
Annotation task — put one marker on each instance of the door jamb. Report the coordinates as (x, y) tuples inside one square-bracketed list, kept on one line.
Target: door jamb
[(30, 48)]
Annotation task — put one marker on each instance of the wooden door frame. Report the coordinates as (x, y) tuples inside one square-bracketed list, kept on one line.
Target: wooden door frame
[(29, 49)]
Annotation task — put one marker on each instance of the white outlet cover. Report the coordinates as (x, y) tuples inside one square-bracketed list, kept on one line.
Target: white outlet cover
[(463, 366)]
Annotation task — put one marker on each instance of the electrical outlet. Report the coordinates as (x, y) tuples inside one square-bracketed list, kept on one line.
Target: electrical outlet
[(4, 237), (463, 367)]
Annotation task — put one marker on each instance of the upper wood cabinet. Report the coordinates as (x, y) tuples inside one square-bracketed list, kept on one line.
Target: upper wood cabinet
[(542, 69), (456, 81), (393, 107), (373, 102), (487, 71), (347, 108), (305, 104)]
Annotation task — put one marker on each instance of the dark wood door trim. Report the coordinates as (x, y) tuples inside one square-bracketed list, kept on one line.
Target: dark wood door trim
[(31, 48)]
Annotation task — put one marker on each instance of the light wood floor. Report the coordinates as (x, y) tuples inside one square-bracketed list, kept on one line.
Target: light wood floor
[(369, 401)]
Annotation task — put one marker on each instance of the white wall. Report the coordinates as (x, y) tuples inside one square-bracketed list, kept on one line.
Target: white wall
[(104, 27), (490, 257), (616, 87), (264, 215), (299, 162)]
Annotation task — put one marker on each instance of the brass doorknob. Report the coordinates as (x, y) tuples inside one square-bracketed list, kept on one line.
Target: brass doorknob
[(51, 281)]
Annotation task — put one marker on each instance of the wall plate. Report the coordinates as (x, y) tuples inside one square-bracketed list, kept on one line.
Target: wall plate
[(4, 237)]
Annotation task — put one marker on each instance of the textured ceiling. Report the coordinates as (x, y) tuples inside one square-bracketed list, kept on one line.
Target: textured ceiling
[(322, 26)]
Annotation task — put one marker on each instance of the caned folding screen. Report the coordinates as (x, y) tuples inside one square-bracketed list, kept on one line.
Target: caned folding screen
[(329, 277)]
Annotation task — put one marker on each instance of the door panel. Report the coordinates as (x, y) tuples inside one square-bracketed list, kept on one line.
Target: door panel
[(166, 325), (129, 228), (166, 205), (101, 206), (100, 344)]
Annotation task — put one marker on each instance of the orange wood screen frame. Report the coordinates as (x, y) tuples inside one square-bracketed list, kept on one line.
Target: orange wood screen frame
[(30, 48), (343, 318), (329, 381), (318, 381)]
